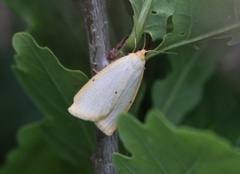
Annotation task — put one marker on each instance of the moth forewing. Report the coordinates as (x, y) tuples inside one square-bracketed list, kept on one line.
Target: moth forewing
[(99, 95), (108, 124)]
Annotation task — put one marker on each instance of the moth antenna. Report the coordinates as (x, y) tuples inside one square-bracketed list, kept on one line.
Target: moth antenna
[(148, 56), (162, 52)]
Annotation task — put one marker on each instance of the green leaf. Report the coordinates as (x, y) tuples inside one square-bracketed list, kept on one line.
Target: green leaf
[(59, 26), (197, 20), (160, 147), (192, 21), (218, 110), (52, 87), (150, 17), (33, 156), (181, 90)]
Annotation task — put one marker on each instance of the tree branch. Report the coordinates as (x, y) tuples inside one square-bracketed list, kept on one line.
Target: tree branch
[(95, 17)]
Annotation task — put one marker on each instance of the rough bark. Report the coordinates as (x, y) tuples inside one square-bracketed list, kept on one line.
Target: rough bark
[(95, 17)]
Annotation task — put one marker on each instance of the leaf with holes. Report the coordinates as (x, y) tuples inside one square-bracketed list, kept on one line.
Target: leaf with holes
[(150, 17), (197, 20)]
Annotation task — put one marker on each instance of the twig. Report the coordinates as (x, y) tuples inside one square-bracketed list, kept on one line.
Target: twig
[(95, 17)]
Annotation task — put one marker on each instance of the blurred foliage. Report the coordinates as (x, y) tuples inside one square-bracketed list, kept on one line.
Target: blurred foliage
[(195, 84)]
